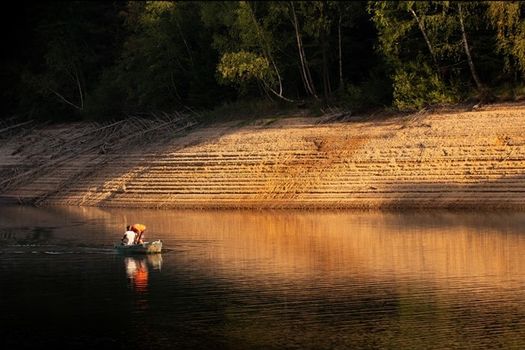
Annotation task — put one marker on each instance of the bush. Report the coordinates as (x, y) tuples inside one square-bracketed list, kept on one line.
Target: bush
[(107, 101), (418, 86)]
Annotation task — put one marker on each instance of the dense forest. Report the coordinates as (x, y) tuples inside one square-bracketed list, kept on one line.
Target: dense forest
[(100, 60)]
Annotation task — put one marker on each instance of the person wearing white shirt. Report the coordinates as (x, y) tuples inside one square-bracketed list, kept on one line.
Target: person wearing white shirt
[(129, 236)]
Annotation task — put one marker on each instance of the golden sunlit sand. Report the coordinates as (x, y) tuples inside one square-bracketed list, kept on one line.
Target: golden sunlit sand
[(437, 160)]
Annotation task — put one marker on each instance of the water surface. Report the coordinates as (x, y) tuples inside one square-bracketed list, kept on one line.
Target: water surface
[(263, 280)]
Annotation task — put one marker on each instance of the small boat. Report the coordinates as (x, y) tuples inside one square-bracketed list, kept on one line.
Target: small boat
[(154, 247)]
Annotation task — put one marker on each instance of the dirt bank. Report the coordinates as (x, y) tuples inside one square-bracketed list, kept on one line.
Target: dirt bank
[(473, 159)]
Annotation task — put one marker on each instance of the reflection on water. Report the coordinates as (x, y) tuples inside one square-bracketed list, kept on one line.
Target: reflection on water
[(314, 280), (137, 270)]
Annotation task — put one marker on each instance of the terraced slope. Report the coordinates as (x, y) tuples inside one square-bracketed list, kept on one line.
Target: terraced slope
[(468, 159)]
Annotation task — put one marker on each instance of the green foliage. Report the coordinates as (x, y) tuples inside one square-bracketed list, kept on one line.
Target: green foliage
[(71, 43), (417, 86), (241, 67), (393, 26), (423, 43), (219, 17), (353, 96), (507, 18), (107, 100), (100, 60), (375, 91), (165, 62)]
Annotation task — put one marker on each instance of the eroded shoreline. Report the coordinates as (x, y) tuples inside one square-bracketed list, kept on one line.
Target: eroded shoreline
[(451, 160)]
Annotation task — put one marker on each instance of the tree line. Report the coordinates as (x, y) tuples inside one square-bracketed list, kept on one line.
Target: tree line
[(103, 60)]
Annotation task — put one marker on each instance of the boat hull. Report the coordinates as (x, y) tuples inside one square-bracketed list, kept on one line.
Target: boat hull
[(154, 247)]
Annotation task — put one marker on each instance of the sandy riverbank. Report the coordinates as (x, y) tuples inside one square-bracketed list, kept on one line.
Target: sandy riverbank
[(459, 159)]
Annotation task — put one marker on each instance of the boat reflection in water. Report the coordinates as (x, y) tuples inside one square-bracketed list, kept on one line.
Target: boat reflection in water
[(137, 270)]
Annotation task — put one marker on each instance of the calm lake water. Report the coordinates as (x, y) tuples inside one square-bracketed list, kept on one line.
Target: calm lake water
[(263, 280)]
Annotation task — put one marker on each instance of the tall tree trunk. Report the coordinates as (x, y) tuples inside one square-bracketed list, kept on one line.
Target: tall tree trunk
[(341, 84), (427, 41), (75, 76), (324, 42), (181, 33), (80, 92), (63, 99), (467, 50), (268, 55), (326, 74), (305, 70)]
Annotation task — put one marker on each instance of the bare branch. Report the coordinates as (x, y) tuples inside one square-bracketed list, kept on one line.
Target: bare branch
[(64, 99)]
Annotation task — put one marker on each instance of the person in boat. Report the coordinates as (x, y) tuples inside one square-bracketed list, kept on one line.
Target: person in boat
[(139, 232), (129, 236)]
